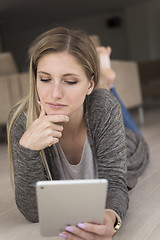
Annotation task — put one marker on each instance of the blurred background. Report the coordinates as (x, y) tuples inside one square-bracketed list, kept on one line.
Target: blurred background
[(130, 27)]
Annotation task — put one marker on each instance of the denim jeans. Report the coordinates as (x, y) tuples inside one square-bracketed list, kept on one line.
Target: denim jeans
[(127, 118)]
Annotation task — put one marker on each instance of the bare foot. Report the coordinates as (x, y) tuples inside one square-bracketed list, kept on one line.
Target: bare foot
[(104, 56), (107, 73)]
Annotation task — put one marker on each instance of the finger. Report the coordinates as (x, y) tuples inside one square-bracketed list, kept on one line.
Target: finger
[(70, 236), (57, 118), (42, 112), (57, 127), (52, 141), (45, 123), (93, 228), (106, 230), (74, 232), (54, 133)]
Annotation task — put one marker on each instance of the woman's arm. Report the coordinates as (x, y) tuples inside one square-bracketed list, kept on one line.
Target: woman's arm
[(28, 169), (111, 155), (107, 140)]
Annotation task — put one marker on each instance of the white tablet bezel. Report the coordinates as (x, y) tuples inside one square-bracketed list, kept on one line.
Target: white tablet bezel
[(68, 202)]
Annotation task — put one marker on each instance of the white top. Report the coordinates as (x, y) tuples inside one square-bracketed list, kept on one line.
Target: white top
[(85, 169)]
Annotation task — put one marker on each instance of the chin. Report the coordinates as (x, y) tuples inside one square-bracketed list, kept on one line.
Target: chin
[(55, 113)]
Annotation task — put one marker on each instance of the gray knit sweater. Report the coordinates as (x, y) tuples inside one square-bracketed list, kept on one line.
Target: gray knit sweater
[(106, 137)]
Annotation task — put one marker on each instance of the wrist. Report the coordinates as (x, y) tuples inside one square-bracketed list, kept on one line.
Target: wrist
[(112, 215), (115, 218)]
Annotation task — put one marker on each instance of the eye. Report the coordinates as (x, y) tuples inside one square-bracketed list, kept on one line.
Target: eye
[(45, 79), (70, 82)]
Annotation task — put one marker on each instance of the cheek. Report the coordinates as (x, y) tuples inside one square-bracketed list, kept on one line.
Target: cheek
[(38, 88), (77, 97), (41, 90)]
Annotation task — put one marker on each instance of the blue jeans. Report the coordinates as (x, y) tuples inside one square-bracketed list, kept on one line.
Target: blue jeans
[(127, 118)]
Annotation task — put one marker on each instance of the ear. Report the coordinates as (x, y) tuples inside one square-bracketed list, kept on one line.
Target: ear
[(91, 86)]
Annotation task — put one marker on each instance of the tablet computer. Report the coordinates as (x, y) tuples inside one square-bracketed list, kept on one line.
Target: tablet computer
[(69, 202)]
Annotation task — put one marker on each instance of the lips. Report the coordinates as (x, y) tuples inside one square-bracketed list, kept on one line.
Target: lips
[(56, 105)]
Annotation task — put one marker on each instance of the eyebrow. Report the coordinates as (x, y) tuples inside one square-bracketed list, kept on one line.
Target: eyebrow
[(65, 75), (71, 74), (44, 73)]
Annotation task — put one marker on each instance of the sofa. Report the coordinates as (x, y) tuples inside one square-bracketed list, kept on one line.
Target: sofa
[(128, 85), (14, 85)]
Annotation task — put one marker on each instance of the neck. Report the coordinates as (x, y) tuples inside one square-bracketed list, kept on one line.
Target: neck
[(75, 125)]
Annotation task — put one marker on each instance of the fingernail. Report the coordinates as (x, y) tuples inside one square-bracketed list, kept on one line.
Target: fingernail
[(39, 102), (69, 229), (81, 225), (63, 235), (67, 118)]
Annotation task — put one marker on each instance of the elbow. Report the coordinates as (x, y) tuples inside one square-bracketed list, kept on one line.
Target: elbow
[(30, 213), (30, 216)]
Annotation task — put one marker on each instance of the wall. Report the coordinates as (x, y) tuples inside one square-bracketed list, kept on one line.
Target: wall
[(1, 36), (115, 37), (139, 36), (136, 39), (143, 31), (154, 27), (18, 41), (138, 32)]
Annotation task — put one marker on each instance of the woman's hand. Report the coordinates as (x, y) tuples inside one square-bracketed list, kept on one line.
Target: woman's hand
[(87, 231), (44, 131)]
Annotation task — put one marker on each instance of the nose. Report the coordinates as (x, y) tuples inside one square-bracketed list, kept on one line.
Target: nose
[(57, 91)]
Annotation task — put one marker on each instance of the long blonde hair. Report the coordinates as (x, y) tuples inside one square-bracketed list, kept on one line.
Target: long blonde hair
[(60, 39)]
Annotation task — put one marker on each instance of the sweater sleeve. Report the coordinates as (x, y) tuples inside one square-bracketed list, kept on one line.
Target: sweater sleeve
[(115, 158), (28, 169), (110, 150)]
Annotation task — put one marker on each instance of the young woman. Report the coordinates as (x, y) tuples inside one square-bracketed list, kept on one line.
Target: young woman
[(65, 129)]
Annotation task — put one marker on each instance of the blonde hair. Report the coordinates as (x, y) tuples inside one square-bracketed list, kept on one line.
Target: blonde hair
[(60, 39)]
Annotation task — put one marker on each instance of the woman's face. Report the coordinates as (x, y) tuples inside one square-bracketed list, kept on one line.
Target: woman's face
[(62, 84)]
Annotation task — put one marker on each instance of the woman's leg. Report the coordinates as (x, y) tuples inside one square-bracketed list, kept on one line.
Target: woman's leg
[(127, 118), (108, 75)]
